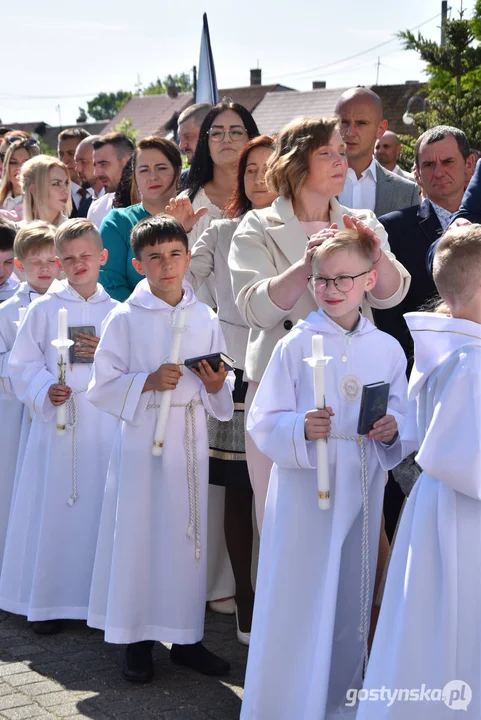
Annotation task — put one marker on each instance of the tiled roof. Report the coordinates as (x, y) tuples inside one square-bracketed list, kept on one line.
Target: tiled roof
[(279, 108), (252, 95), (150, 114)]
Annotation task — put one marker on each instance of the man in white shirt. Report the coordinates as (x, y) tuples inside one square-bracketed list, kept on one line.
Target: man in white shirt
[(387, 151), (67, 143), (84, 165), (111, 153), (368, 185)]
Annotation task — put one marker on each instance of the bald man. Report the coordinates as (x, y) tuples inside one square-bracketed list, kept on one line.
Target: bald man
[(387, 150), (368, 185)]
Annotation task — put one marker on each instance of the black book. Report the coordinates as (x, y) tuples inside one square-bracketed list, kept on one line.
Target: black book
[(73, 333), (374, 402), (214, 361)]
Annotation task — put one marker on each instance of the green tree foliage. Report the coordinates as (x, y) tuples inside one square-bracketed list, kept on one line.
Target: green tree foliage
[(82, 115), (106, 105), (182, 82), (453, 92), (126, 126)]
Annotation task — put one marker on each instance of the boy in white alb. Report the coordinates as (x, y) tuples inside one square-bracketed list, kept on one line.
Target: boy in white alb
[(429, 630), (149, 580), (9, 283), (35, 256), (306, 647), (53, 526)]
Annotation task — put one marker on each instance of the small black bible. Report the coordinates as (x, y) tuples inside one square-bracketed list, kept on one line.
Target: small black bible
[(373, 405), (214, 361)]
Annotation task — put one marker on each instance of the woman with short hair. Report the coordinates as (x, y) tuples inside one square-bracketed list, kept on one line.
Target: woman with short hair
[(270, 255)]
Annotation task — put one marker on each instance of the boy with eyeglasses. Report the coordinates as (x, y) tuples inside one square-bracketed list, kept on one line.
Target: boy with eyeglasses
[(316, 567)]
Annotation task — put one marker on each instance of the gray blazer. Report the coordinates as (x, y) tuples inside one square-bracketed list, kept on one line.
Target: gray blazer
[(393, 192)]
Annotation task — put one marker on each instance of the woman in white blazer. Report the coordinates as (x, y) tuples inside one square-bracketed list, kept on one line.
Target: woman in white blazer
[(270, 253)]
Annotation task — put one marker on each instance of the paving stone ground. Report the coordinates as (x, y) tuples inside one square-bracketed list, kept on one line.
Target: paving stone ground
[(76, 675)]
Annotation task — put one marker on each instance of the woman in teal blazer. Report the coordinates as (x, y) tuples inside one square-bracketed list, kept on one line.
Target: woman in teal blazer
[(157, 167)]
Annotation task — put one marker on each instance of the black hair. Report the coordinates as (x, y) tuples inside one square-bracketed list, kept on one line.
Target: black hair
[(123, 194), (8, 232), (202, 168), (440, 132), (156, 229)]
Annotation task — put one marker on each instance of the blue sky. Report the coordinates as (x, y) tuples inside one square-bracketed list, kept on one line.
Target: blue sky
[(57, 57)]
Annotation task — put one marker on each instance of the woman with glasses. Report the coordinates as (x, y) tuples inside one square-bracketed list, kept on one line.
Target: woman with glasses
[(11, 196), (212, 179), (270, 256), (228, 467)]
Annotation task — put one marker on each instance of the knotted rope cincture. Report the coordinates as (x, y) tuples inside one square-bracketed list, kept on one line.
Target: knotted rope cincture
[(365, 593), (72, 425), (193, 529)]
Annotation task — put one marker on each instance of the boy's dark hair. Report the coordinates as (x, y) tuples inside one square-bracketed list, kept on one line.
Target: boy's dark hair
[(157, 229), (8, 232)]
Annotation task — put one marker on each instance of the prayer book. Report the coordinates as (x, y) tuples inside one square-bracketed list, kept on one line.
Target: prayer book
[(374, 401), (73, 333), (214, 361)]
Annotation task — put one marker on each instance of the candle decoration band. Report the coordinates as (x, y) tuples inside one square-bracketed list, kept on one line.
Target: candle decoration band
[(324, 495)]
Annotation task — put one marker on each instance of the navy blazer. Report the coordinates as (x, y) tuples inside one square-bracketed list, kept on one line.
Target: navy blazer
[(470, 208), (411, 233)]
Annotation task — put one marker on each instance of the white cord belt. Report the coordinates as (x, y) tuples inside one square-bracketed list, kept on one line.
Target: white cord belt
[(193, 529)]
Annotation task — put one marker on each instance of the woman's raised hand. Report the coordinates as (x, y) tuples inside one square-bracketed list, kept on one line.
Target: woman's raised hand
[(181, 209), (321, 236), (353, 223)]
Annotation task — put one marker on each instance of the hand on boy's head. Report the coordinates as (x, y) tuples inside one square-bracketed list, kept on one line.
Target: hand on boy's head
[(321, 236), (317, 424), (385, 429), (365, 232), (213, 381), (165, 378), (86, 345), (59, 394), (181, 209)]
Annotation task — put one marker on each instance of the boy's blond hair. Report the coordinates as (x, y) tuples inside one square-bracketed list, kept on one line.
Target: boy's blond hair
[(35, 236), (75, 228), (457, 263), (350, 240)]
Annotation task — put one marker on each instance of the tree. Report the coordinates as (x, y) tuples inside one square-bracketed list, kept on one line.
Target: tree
[(126, 126), (106, 105), (82, 115), (453, 94), (182, 82)]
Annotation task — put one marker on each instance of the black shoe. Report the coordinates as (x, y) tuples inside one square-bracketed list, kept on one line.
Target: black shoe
[(138, 665), (199, 658), (47, 627)]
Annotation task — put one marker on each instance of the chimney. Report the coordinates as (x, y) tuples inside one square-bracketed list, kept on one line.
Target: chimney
[(318, 84), (256, 76), (172, 91)]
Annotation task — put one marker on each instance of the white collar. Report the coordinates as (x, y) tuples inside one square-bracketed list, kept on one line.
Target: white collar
[(371, 169)]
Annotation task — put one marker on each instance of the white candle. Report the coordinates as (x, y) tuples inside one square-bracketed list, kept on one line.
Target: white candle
[(62, 343), (178, 323), (62, 333), (319, 365)]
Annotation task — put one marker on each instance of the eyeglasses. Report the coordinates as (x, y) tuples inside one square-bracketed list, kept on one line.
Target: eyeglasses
[(218, 135), (29, 142), (343, 283)]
